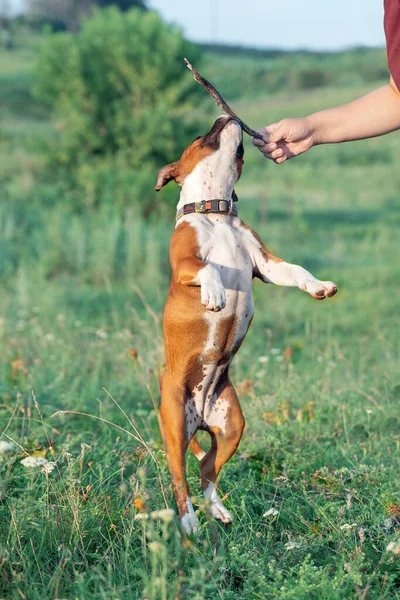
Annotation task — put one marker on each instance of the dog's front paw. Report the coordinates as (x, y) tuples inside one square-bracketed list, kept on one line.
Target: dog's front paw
[(213, 294), (320, 289)]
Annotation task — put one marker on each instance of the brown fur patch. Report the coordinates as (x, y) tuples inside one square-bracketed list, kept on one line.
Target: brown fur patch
[(185, 328), (190, 159)]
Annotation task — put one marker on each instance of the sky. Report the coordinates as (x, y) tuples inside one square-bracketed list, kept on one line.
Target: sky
[(291, 24), (314, 24)]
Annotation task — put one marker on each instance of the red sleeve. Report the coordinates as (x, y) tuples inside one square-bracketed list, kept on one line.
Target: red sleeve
[(392, 32)]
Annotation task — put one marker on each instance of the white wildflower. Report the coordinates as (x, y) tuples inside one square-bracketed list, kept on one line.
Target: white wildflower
[(263, 359), (369, 411), (394, 547), (48, 468), (34, 461), (260, 374), (292, 545), (279, 358), (165, 514), (272, 512), (5, 446), (141, 517), (78, 323), (348, 526), (275, 350)]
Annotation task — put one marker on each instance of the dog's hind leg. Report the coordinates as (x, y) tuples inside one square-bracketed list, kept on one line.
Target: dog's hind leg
[(225, 423), (174, 433)]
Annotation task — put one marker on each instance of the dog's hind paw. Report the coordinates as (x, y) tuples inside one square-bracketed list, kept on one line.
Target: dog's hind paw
[(221, 513), (190, 523), (216, 508)]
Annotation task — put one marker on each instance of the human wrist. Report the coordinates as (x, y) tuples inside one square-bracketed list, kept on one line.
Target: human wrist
[(313, 126)]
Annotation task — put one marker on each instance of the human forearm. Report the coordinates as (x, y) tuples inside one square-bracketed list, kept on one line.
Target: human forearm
[(372, 115)]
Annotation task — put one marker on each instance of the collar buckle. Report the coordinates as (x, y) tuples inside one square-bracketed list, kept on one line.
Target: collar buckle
[(208, 206)]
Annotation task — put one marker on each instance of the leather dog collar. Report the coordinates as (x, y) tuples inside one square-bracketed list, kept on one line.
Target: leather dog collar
[(208, 206)]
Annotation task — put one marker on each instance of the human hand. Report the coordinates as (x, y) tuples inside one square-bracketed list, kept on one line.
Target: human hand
[(285, 139)]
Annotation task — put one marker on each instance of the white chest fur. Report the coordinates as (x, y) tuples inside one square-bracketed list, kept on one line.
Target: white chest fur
[(223, 245)]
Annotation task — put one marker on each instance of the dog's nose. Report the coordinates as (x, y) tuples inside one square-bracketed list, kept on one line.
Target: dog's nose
[(226, 118), (221, 120)]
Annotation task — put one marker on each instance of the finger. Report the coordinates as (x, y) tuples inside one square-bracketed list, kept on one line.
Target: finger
[(279, 161), (266, 148), (257, 142), (270, 147), (277, 153)]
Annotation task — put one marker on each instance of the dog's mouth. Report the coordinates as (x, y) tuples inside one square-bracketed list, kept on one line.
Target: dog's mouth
[(240, 150), (212, 138)]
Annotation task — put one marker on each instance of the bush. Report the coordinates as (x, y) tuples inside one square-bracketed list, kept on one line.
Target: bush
[(311, 78), (120, 93)]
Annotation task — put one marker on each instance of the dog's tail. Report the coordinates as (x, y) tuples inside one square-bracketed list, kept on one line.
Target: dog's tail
[(196, 448)]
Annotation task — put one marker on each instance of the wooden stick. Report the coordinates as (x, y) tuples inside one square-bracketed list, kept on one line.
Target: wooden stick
[(220, 101)]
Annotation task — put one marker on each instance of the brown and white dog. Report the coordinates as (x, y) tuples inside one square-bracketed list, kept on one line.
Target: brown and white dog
[(214, 257)]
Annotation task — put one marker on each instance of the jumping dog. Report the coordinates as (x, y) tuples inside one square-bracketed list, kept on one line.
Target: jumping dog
[(214, 257)]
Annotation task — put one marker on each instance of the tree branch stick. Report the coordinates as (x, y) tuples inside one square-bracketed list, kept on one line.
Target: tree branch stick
[(220, 101)]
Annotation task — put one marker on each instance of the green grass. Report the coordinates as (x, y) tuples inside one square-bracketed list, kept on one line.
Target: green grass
[(320, 384), (254, 73)]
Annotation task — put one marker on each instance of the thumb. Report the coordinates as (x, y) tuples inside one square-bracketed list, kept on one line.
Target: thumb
[(274, 132)]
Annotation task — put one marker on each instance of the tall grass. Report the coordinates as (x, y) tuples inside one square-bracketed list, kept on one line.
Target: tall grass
[(314, 487)]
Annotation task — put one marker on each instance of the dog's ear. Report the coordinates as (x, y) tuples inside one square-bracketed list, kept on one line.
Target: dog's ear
[(165, 175)]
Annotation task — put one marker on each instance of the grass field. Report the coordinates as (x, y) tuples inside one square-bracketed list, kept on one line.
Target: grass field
[(314, 486)]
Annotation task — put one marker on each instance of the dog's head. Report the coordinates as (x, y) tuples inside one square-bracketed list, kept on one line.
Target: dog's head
[(211, 165)]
